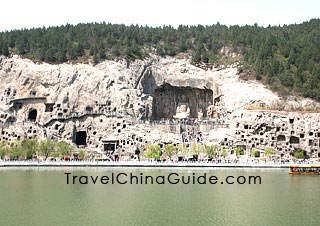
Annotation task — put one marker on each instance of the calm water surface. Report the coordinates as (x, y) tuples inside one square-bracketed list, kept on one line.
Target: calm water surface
[(35, 196)]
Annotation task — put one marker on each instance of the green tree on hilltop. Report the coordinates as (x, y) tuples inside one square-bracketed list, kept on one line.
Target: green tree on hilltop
[(284, 58), (5, 50)]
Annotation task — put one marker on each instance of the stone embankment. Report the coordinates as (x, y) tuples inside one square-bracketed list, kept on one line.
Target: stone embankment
[(140, 164)]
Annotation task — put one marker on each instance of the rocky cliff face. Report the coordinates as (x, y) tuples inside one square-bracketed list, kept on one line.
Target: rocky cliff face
[(60, 101), (76, 88), (86, 104)]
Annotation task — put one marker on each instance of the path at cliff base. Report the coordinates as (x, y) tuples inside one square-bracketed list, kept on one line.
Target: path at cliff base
[(140, 164)]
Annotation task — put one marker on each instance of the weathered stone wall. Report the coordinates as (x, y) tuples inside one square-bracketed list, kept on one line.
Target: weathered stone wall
[(111, 98), (285, 132)]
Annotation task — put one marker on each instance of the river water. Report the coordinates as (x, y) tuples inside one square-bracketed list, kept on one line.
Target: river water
[(41, 196)]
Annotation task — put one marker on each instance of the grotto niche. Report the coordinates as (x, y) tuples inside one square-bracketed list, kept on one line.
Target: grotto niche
[(32, 116), (180, 102), (81, 138)]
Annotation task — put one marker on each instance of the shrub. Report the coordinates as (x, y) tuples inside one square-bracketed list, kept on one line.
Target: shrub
[(239, 151), (153, 151), (170, 150), (255, 153), (299, 154), (269, 151)]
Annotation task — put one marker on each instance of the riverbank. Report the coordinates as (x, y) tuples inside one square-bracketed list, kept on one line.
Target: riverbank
[(139, 164)]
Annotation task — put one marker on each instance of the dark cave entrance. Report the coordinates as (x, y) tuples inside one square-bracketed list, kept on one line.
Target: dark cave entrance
[(109, 147), (81, 138), (11, 120), (32, 115), (294, 140), (49, 107)]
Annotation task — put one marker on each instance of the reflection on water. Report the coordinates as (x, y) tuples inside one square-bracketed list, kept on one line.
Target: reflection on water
[(40, 196)]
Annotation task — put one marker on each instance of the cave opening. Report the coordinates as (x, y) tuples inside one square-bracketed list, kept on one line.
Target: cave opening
[(32, 115), (11, 119), (294, 140), (173, 102), (49, 107), (109, 147), (281, 138), (17, 105), (81, 138)]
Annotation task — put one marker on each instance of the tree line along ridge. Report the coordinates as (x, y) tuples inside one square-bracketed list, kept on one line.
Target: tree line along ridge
[(286, 58)]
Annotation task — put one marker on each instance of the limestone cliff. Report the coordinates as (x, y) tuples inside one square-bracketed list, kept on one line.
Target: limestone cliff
[(111, 99)]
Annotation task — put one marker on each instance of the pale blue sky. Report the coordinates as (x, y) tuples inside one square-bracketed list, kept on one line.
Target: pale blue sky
[(37, 13)]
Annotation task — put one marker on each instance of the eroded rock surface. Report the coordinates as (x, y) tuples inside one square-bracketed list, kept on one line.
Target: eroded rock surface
[(140, 102)]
